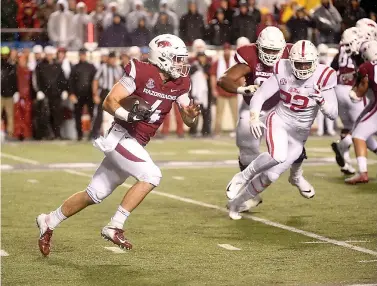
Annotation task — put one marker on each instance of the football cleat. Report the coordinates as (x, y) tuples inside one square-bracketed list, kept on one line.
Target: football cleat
[(305, 188), (237, 183), (45, 234), (338, 155), (359, 178), (252, 203), (348, 169), (116, 236)]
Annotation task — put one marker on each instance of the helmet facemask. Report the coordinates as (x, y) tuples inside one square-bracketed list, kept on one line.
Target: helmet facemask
[(268, 55), (303, 69), (179, 66)]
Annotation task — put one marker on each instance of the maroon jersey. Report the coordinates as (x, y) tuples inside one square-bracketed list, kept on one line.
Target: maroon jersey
[(160, 95), (369, 69), (347, 68), (259, 71)]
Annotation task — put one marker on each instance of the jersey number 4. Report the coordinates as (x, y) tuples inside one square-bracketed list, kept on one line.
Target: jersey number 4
[(155, 112), (296, 102)]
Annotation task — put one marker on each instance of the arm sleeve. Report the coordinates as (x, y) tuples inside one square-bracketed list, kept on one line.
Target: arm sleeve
[(266, 91), (128, 83), (335, 62), (330, 107), (183, 100)]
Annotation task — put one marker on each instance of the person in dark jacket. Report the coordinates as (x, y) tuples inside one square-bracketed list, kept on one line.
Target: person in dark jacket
[(228, 11), (80, 89), (51, 84), (245, 23), (115, 35), (353, 13), (163, 26), (141, 36), (9, 10), (299, 24), (8, 88), (219, 29), (191, 25)]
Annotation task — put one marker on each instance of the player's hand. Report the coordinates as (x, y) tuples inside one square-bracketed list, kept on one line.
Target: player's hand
[(64, 95), (247, 90), (256, 125), (16, 97), (317, 95), (192, 110), (40, 95), (96, 99), (354, 97), (139, 113), (73, 98)]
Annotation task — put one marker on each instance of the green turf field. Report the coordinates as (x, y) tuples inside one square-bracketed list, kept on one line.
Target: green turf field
[(177, 230)]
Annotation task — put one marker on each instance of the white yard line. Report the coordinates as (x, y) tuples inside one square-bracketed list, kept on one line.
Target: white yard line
[(347, 241), (32, 181), (178, 178), (6, 167), (229, 247), (114, 249), (367, 261), (3, 253), (19, 159)]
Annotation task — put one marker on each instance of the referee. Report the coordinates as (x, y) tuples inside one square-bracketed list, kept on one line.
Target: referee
[(107, 75)]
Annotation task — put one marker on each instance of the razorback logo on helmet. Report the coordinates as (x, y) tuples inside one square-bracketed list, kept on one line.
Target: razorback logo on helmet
[(163, 44)]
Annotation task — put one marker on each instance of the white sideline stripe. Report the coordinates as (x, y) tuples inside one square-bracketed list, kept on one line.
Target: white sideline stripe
[(32, 181), (114, 249), (314, 242), (258, 219), (367, 261), (6, 167), (20, 159), (228, 247), (348, 241), (4, 253), (179, 178)]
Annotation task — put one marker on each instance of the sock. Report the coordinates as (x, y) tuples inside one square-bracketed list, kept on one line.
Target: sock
[(262, 163), (345, 143), (55, 218), (346, 156), (372, 144), (362, 163), (257, 185), (296, 170), (120, 217)]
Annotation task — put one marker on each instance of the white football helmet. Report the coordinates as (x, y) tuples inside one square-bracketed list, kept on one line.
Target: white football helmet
[(169, 53), (303, 52), (271, 45), (351, 40), (242, 41), (368, 29), (198, 46), (369, 51)]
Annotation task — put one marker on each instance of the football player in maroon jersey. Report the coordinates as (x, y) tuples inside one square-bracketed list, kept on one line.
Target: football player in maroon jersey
[(161, 82), (366, 124), (255, 62)]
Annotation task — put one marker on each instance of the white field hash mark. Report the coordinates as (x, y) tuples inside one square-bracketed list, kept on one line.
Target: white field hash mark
[(114, 249), (258, 219), (4, 253), (228, 247), (20, 159)]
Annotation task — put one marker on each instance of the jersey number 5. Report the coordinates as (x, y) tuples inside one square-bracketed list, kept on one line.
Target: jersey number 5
[(155, 112), (296, 102)]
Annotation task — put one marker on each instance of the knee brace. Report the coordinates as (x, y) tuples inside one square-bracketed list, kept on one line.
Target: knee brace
[(302, 156), (152, 176)]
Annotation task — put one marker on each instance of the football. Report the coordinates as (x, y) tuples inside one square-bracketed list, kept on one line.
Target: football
[(136, 105)]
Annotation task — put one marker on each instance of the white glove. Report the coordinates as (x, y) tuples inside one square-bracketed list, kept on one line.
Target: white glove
[(247, 90), (40, 95), (256, 125), (354, 97), (16, 97), (64, 95), (317, 95)]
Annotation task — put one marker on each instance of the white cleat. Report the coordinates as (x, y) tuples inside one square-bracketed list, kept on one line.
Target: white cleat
[(234, 213), (42, 224), (237, 183), (348, 169), (305, 188), (252, 203)]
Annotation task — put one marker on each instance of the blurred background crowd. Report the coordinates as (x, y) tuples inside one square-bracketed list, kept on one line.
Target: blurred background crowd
[(47, 94)]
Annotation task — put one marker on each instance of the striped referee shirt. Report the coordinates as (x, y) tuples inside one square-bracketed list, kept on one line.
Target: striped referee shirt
[(108, 75)]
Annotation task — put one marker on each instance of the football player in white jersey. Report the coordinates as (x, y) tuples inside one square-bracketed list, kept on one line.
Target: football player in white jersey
[(255, 62), (346, 63), (305, 88)]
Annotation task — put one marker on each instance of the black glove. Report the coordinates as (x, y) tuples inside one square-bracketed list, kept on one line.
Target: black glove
[(139, 112)]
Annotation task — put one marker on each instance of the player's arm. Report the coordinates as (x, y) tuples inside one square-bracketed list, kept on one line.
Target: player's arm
[(230, 80), (188, 109), (361, 86), (264, 92), (330, 107)]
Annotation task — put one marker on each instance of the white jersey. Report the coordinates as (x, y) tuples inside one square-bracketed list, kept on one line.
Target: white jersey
[(295, 105)]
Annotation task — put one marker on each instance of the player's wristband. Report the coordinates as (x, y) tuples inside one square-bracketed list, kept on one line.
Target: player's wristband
[(241, 90), (121, 113)]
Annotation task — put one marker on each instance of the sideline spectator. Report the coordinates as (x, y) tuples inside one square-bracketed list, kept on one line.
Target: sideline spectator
[(141, 36), (97, 18), (191, 25), (9, 10), (80, 89), (222, 97), (179, 123), (328, 23), (28, 19), (23, 102), (80, 22), (72, 6), (115, 35), (299, 25), (111, 11), (60, 25), (38, 56), (219, 29), (64, 62), (133, 18), (44, 14), (163, 26), (266, 21), (245, 23), (172, 17), (353, 13), (8, 88)]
